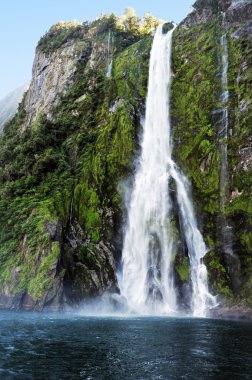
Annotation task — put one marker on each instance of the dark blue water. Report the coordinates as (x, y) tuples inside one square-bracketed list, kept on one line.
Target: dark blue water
[(35, 346)]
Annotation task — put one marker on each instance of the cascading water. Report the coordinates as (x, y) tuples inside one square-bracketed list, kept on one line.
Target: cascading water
[(224, 118), (232, 260), (110, 55), (146, 279)]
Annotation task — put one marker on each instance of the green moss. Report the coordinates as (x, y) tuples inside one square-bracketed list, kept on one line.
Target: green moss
[(195, 95), (64, 172), (35, 225), (43, 279), (129, 65), (58, 35), (5, 275), (183, 269), (218, 276)]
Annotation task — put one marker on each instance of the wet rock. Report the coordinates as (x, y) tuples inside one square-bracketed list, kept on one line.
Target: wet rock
[(54, 298), (118, 302), (91, 276), (10, 302), (239, 311), (167, 26)]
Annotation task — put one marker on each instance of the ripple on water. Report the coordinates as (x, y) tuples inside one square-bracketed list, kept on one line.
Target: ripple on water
[(140, 348)]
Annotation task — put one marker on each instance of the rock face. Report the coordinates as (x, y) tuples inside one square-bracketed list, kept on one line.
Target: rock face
[(51, 76), (53, 70), (196, 18), (239, 11), (204, 11)]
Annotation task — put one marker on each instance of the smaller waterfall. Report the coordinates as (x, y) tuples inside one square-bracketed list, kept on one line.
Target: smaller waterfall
[(201, 299), (223, 133), (109, 54), (70, 228), (231, 259), (109, 71)]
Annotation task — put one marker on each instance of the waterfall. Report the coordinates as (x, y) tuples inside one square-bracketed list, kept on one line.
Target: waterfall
[(224, 119), (223, 133), (110, 55), (146, 279), (231, 259)]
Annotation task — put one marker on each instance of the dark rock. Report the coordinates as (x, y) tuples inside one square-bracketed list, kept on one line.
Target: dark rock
[(11, 302), (239, 311), (205, 11), (239, 11), (51, 229), (167, 27), (245, 31), (196, 18), (91, 276)]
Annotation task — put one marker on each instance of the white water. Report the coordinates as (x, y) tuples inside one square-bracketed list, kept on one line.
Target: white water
[(227, 235), (231, 259), (110, 55), (146, 279), (224, 120)]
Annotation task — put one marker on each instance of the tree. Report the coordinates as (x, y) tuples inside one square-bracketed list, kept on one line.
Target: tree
[(129, 12), (130, 21), (149, 23)]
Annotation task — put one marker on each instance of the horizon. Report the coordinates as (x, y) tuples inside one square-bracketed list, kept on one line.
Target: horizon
[(31, 21)]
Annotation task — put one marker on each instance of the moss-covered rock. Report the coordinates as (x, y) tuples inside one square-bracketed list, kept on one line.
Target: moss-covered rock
[(61, 211), (197, 143)]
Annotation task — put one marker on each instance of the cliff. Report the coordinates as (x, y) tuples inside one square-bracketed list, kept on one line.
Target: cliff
[(68, 152), (62, 159)]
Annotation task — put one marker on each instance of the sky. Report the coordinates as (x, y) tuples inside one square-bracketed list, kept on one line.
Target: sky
[(23, 22)]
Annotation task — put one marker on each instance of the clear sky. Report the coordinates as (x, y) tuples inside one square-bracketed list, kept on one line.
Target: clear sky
[(23, 22)]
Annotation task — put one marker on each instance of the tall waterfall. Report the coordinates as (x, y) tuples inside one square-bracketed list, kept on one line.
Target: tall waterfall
[(226, 230), (147, 279), (224, 118), (232, 260)]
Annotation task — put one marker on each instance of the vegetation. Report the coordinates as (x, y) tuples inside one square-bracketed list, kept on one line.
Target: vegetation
[(60, 205), (195, 98), (59, 34), (59, 177)]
